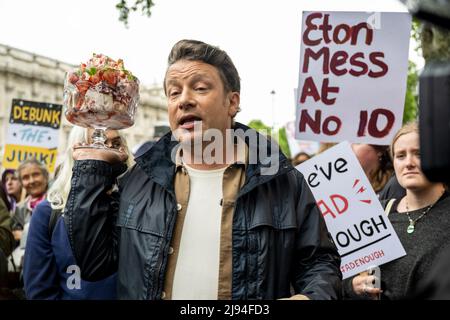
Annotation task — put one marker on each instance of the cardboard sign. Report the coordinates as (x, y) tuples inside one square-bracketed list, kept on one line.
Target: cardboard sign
[(353, 214), (297, 146), (33, 131), (352, 77)]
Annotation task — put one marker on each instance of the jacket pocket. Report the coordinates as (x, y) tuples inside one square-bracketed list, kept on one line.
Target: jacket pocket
[(141, 240), (271, 246), (137, 216), (277, 216)]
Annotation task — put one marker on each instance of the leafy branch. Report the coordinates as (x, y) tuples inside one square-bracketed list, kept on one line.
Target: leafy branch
[(124, 8)]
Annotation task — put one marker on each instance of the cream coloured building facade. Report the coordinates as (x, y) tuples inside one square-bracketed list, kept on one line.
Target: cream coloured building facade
[(27, 76)]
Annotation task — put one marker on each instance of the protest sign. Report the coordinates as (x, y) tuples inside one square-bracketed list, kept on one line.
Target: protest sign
[(353, 214), (352, 77), (297, 146), (33, 131)]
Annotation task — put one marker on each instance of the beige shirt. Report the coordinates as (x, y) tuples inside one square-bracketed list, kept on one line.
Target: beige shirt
[(197, 270), (233, 180)]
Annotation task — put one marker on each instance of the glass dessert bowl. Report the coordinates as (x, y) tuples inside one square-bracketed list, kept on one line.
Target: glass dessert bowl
[(101, 94)]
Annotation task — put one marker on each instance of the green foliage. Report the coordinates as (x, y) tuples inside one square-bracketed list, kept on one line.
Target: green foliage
[(259, 126), (124, 9), (415, 34), (410, 111), (411, 98), (282, 141)]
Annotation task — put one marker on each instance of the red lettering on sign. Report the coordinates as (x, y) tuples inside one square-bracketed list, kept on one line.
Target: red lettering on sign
[(374, 59), (354, 61), (327, 210), (347, 33), (315, 124), (309, 90), (310, 27), (342, 33), (309, 53), (340, 204), (373, 128), (355, 33), (338, 59)]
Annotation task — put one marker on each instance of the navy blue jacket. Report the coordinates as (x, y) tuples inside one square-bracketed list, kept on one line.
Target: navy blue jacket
[(50, 270), (279, 237)]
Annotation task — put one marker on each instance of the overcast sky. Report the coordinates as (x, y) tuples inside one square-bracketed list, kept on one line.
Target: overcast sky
[(261, 36)]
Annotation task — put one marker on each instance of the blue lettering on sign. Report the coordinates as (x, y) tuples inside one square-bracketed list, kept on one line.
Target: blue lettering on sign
[(33, 135)]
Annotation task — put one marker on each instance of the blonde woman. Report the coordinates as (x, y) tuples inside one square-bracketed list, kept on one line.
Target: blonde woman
[(421, 219), (50, 270)]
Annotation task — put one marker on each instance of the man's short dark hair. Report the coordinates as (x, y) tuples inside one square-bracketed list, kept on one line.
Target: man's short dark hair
[(199, 51)]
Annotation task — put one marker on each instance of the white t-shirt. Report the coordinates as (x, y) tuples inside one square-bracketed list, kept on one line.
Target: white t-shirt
[(197, 269)]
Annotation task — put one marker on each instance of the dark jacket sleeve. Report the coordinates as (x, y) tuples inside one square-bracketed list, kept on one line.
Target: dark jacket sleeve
[(6, 237), (18, 218), (317, 272), (40, 273), (90, 216)]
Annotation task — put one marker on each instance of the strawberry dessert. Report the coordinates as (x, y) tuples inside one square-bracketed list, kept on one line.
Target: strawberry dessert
[(101, 94)]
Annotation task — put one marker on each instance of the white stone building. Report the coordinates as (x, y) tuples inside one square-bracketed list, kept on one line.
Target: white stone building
[(28, 76)]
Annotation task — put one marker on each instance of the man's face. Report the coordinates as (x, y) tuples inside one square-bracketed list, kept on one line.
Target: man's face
[(196, 95), (33, 180)]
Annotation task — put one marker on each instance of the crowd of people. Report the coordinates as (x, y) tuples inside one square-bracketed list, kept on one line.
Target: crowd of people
[(175, 223)]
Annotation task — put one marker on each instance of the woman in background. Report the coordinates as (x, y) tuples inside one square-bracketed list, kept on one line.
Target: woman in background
[(375, 162), (13, 187), (421, 220), (50, 270)]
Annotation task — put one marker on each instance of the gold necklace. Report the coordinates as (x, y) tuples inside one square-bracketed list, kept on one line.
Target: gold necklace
[(412, 222)]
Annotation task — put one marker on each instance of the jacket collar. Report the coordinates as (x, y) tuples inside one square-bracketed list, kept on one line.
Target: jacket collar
[(265, 160)]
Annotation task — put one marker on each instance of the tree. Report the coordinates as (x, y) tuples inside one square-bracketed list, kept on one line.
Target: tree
[(411, 98), (124, 9), (433, 43), (259, 126), (282, 141), (410, 111), (281, 138)]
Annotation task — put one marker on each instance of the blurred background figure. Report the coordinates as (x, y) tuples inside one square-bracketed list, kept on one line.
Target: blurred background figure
[(6, 237), (33, 176), (325, 146), (300, 158), (159, 131), (375, 162), (50, 270), (6, 244), (13, 188)]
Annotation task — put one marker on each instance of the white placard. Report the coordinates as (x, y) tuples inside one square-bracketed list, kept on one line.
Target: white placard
[(351, 209), (33, 132), (352, 77)]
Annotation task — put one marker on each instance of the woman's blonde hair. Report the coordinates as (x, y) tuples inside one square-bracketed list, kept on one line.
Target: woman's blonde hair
[(60, 188), (409, 127)]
